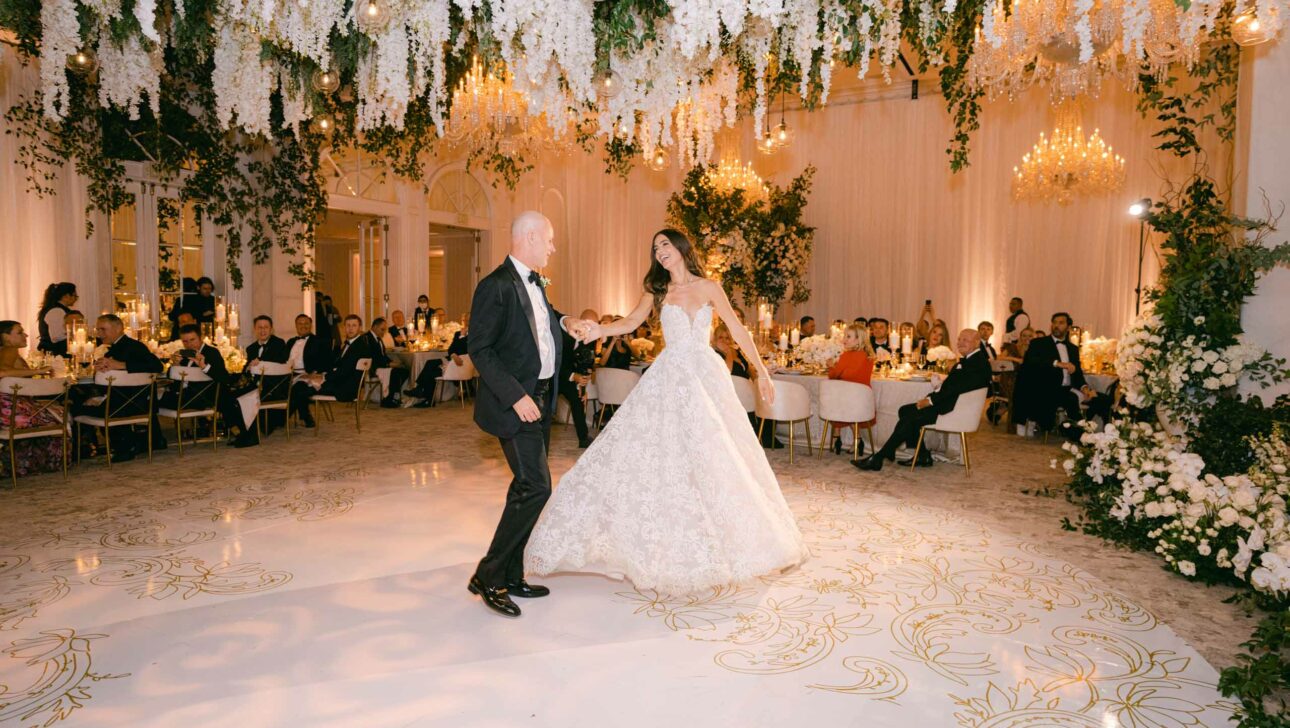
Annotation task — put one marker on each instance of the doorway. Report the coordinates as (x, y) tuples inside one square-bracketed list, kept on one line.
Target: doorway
[(351, 260), (454, 268)]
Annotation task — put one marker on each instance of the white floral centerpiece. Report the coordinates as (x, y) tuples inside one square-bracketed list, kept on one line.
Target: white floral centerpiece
[(1097, 356), (940, 356), (442, 338), (819, 350), (641, 348)]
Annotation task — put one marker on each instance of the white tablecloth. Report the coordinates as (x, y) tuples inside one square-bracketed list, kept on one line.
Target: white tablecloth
[(1101, 382), (415, 360), (889, 395)]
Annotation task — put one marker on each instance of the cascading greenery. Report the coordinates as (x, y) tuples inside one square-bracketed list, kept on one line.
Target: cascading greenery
[(263, 192)]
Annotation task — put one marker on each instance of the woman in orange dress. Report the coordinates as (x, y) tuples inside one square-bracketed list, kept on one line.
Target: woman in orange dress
[(855, 365)]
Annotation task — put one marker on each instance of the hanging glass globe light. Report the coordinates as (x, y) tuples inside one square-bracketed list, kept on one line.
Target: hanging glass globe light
[(83, 62), (608, 85), (782, 135), (659, 160), (326, 81), (370, 15), (766, 145), (322, 124), (1248, 30)]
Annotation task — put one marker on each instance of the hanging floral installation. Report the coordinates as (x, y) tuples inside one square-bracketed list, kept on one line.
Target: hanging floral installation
[(243, 94)]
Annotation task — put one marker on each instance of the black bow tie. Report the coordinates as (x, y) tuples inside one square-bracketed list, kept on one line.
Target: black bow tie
[(535, 279)]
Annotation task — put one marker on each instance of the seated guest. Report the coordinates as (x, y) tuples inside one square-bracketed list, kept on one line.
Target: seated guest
[(202, 306), (971, 373), (1015, 351), (182, 319), (307, 352), (854, 365), (341, 380), (205, 358), (36, 454), (616, 354), (430, 373), (575, 372), (422, 311), (52, 317), (266, 346), (879, 333), (1050, 378), (381, 360), (936, 336), (724, 344), (124, 354), (986, 330), (806, 326), (398, 335)]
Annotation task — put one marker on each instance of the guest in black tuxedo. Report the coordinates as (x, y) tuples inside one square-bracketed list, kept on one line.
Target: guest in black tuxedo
[(381, 359), (986, 330), (202, 305), (124, 354), (971, 373), (422, 311), (267, 346), (181, 319), (806, 326), (342, 380), (432, 370), (577, 362), (308, 352), (1051, 378), (514, 343), (207, 359), (399, 329), (880, 335)]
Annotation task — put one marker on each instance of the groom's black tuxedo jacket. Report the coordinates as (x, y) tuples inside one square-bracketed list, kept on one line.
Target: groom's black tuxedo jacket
[(503, 347)]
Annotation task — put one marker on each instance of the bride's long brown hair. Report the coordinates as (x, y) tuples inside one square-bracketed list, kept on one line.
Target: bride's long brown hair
[(658, 279)]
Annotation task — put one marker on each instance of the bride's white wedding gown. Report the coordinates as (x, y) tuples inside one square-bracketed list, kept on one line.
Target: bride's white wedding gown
[(676, 493)]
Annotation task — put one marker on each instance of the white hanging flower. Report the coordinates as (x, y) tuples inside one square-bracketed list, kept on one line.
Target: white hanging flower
[(60, 37)]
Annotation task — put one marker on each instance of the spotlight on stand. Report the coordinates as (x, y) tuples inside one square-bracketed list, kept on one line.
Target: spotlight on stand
[(1139, 210)]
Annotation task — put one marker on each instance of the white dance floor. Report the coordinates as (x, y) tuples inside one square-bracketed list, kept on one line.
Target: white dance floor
[(342, 602)]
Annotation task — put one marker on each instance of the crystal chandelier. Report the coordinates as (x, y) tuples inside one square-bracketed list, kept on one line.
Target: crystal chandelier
[(1064, 165), (731, 174), (489, 112), (1072, 48)]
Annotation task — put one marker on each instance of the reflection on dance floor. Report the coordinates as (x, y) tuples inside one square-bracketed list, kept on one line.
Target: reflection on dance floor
[(341, 601)]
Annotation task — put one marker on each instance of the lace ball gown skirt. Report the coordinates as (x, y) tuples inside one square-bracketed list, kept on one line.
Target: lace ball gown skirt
[(676, 494)]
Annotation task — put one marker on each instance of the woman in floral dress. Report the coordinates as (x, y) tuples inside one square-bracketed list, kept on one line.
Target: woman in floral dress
[(38, 454)]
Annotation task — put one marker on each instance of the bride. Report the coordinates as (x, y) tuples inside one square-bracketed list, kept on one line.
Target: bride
[(676, 494)]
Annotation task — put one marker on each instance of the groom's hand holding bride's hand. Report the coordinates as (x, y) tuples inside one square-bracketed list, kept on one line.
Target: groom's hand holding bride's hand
[(527, 409), (590, 332)]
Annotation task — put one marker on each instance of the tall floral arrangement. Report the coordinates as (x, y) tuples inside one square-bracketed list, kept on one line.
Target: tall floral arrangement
[(1192, 469), (759, 248)]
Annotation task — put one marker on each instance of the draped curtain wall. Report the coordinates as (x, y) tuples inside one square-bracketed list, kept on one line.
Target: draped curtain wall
[(42, 240)]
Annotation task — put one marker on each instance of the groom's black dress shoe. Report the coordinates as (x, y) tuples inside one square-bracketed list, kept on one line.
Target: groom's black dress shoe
[(873, 462), (495, 598), (924, 460), (526, 590)]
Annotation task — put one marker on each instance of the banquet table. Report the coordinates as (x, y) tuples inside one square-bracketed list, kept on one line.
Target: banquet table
[(415, 360), (889, 396)]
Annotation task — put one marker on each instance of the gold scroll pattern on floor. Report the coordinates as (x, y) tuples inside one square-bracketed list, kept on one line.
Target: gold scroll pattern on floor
[(894, 593), (145, 550)]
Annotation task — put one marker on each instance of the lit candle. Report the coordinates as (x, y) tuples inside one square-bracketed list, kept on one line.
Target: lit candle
[(219, 334), (80, 335), (906, 345), (783, 342), (219, 313), (421, 324), (796, 338), (232, 320), (134, 320)]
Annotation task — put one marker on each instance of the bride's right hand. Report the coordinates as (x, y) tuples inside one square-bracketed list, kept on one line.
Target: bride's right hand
[(766, 387)]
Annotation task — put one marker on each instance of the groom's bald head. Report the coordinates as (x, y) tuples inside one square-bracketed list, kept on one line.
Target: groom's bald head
[(532, 239)]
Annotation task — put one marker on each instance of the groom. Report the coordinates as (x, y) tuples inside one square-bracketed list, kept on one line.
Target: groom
[(515, 344)]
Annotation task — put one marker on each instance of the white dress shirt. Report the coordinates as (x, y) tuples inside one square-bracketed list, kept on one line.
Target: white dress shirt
[(297, 357), (541, 318), (1065, 358)]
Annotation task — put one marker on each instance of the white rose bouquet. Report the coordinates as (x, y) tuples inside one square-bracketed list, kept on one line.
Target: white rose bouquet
[(641, 348), (819, 350)]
